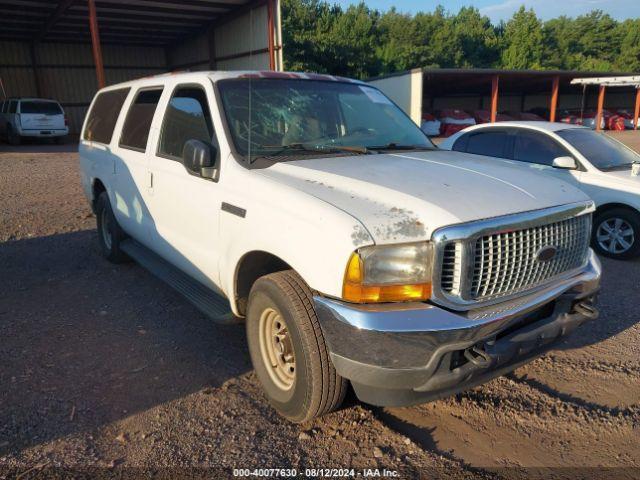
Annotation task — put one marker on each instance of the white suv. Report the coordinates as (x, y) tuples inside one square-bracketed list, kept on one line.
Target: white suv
[(315, 209), (32, 117)]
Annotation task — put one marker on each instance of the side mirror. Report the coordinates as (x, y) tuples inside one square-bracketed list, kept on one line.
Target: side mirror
[(566, 163), (199, 158)]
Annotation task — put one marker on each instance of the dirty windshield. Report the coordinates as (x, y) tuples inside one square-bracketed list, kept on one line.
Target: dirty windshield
[(288, 117)]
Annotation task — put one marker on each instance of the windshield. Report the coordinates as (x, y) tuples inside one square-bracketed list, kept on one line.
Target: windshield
[(314, 114), (600, 149), (46, 108)]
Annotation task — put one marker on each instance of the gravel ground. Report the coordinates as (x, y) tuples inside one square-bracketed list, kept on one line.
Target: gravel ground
[(104, 370)]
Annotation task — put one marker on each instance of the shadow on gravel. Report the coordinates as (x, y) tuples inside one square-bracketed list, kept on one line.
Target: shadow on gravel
[(567, 397), (422, 436), (85, 342), (40, 146)]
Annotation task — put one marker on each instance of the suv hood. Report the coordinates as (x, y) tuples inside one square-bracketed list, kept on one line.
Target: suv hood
[(404, 197)]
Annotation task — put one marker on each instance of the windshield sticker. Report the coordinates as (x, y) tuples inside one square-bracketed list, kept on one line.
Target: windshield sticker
[(376, 96)]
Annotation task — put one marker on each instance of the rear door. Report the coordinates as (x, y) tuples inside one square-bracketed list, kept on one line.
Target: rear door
[(132, 153), (41, 115)]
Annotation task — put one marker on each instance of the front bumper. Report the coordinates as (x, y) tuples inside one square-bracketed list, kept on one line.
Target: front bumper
[(403, 354)]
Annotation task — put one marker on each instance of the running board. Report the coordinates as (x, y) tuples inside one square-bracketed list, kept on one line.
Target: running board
[(212, 304)]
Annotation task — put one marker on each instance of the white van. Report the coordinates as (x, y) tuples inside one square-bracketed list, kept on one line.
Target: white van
[(32, 117)]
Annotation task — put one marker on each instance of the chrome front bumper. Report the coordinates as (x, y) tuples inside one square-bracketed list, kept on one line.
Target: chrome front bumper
[(400, 354)]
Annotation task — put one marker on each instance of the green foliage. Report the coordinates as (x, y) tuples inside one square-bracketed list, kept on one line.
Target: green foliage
[(360, 42), (629, 34), (523, 39)]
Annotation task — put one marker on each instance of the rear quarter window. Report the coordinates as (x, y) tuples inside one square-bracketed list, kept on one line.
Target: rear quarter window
[(101, 119), (460, 145)]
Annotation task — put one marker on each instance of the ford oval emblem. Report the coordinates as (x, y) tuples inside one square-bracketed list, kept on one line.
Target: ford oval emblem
[(546, 254)]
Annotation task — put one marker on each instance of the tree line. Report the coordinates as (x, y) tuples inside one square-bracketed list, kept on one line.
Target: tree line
[(361, 42)]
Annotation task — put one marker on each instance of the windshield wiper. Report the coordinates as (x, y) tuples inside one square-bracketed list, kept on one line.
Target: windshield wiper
[(303, 147), (621, 166), (399, 146)]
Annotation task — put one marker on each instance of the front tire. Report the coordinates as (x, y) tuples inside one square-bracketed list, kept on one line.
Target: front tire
[(110, 235), (288, 350), (616, 233)]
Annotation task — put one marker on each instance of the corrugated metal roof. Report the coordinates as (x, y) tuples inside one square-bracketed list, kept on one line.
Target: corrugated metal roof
[(131, 22)]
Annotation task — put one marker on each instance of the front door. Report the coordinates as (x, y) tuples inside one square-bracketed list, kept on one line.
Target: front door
[(538, 150), (185, 208)]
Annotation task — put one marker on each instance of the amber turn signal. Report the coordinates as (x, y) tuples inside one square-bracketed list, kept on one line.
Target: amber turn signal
[(356, 291)]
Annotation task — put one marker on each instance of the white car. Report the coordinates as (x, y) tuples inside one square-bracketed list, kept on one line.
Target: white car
[(315, 209), (599, 165), (32, 117)]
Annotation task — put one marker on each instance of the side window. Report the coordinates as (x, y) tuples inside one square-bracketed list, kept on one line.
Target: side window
[(490, 143), (534, 147), (104, 114), (135, 131), (187, 118), (13, 106)]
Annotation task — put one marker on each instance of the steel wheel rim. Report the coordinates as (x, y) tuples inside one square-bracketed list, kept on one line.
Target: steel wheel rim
[(105, 222), (277, 349), (615, 235)]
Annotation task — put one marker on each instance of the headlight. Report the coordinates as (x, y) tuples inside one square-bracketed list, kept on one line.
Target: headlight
[(393, 273)]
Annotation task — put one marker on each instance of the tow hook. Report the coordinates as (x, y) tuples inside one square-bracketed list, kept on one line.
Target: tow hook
[(477, 356), (587, 309)]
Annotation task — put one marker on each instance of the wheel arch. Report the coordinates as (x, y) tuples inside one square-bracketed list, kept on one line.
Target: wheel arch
[(613, 205), (251, 266), (97, 187)]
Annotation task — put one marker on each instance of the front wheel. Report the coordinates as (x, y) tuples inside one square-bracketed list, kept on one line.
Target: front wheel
[(288, 350), (616, 233)]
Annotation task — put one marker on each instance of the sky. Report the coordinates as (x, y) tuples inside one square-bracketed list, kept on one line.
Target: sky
[(498, 10)]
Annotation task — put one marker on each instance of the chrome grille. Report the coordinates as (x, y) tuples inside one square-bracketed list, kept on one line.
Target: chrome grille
[(506, 263), (495, 260)]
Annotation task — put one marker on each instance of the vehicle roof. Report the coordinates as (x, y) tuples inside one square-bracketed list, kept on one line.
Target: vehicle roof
[(535, 125), (221, 75)]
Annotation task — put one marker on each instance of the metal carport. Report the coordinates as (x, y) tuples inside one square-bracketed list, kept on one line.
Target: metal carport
[(67, 49), (430, 89)]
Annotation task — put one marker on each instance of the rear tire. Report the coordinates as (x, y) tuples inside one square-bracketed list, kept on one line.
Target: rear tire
[(110, 235), (616, 233), (60, 140), (288, 350)]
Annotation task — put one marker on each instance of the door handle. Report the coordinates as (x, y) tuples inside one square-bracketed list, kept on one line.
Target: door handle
[(150, 180)]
